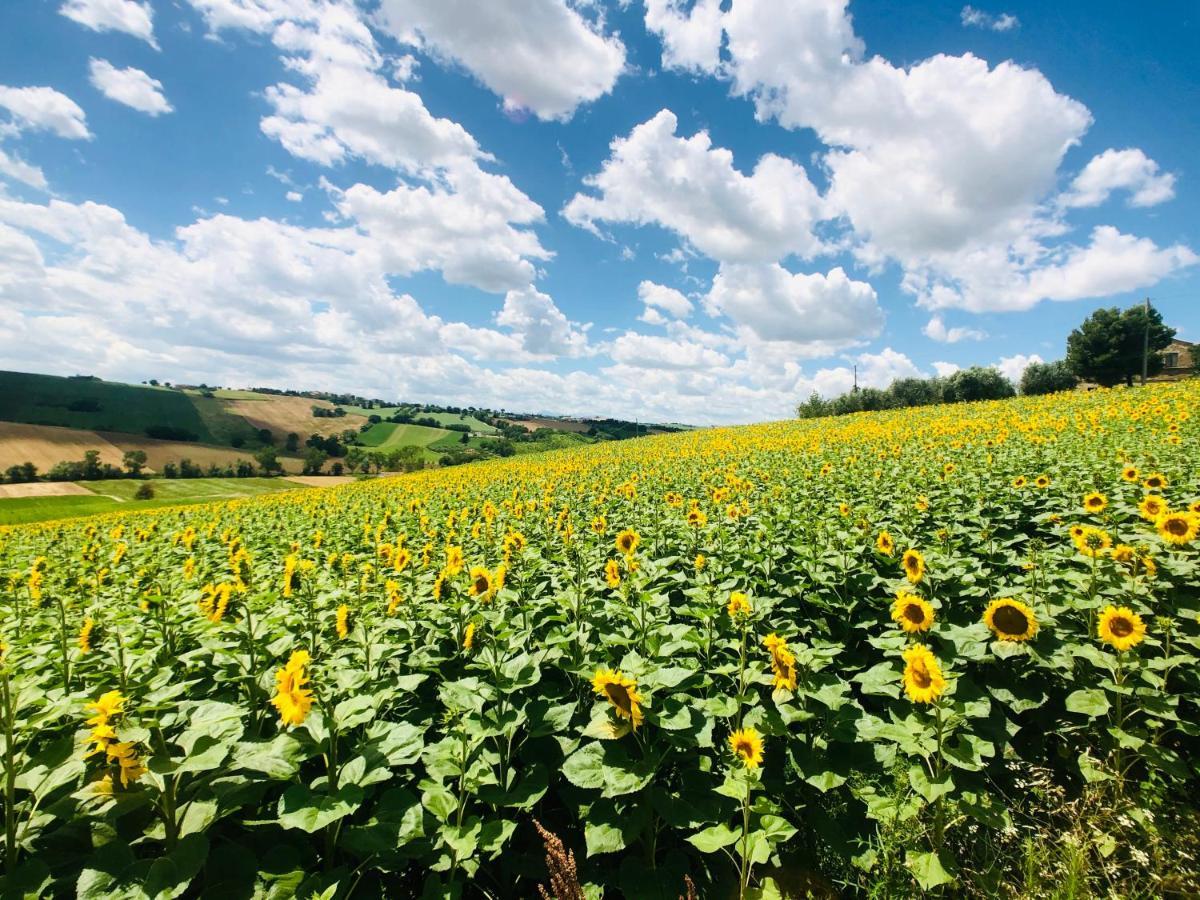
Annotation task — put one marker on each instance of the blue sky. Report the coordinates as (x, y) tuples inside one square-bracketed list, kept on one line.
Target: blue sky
[(673, 210)]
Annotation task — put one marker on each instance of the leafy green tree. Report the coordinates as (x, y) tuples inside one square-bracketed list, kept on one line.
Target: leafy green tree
[(1107, 348), (977, 383), (134, 461), (267, 460), (293, 442), (915, 391), (1048, 378), (314, 458), (91, 465), (145, 491)]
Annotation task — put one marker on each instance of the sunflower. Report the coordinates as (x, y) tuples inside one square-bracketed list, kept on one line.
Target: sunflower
[(739, 605), (1121, 627), (400, 559), (292, 699), (342, 623), (1010, 620), (1155, 481), (696, 517), (1093, 542), (912, 613), (1152, 507), (884, 544), (291, 578), (469, 636), (700, 562), (627, 541), (621, 692), (481, 582), (922, 504), (923, 678), (454, 560), (1194, 506), (1130, 474), (1095, 502), (843, 509), (105, 706), (612, 574), (1020, 481), (1175, 528), (783, 663), (125, 756), (85, 636), (1122, 553), (914, 565), (1042, 481), (747, 745), (1076, 532), (673, 499)]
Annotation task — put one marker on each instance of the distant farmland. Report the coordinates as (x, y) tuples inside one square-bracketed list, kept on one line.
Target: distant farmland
[(47, 445), (98, 405)]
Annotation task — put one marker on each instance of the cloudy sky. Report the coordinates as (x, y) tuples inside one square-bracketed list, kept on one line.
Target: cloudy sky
[(677, 210)]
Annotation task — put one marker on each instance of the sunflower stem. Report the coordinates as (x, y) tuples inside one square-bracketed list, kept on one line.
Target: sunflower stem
[(744, 873)]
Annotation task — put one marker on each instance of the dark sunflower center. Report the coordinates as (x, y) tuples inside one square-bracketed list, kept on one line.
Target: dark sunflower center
[(619, 696), (481, 585), (1176, 525), (1094, 502), (744, 748), (921, 676), (1010, 620), (1121, 627), (914, 614)]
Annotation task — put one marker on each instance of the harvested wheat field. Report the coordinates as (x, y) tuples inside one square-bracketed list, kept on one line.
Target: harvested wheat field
[(291, 414), (42, 489), (47, 445)]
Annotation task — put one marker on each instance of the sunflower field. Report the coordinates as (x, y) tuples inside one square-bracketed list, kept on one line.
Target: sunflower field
[(948, 650)]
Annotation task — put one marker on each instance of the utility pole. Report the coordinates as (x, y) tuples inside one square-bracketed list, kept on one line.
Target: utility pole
[(1146, 344), (856, 378)]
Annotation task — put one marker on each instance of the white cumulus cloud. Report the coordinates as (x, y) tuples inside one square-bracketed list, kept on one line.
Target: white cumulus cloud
[(129, 16), (540, 55), (653, 177), (1130, 170), (977, 18), (778, 305), (1013, 367), (668, 299), (129, 86), (691, 37), (42, 109), (935, 329)]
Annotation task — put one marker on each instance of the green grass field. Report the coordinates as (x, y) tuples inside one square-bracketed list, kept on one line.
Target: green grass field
[(453, 441), (189, 488), (385, 435), (107, 406), (470, 421), (559, 440), (167, 492), (445, 418), (382, 411)]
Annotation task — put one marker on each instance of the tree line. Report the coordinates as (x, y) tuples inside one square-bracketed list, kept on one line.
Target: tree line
[(1106, 349)]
